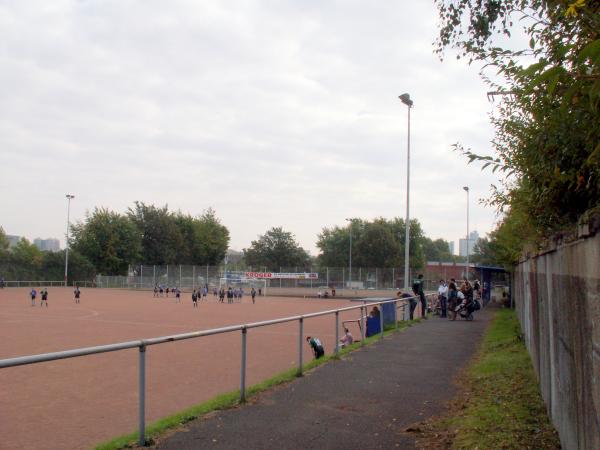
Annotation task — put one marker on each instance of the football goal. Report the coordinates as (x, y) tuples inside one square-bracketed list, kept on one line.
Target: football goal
[(245, 283)]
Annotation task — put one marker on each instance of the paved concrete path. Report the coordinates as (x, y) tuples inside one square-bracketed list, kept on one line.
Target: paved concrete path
[(364, 401)]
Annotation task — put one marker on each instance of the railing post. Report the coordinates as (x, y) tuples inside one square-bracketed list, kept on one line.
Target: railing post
[(142, 396), (362, 326), (396, 314), (381, 318), (337, 331), (243, 368), (300, 347)]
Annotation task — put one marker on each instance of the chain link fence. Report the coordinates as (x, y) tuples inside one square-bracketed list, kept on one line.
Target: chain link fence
[(341, 279)]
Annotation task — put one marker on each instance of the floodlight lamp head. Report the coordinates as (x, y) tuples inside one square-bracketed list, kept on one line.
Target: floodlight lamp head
[(466, 188), (405, 98), (70, 196)]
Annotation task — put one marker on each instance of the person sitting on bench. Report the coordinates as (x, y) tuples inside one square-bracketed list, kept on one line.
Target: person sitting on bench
[(373, 322)]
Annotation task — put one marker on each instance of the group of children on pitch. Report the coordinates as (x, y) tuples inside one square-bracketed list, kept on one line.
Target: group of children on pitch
[(199, 294), (161, 289), (44, 296), (233, 295)]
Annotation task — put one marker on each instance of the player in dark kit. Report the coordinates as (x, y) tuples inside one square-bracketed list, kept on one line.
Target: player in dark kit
[(44, 294), (77, 294), (195, 299), (253, 294)]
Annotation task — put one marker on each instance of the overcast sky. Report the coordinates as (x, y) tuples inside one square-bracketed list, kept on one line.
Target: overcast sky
[(274, 113)]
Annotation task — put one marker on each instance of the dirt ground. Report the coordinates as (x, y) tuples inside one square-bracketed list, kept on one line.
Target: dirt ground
[(76, 403)]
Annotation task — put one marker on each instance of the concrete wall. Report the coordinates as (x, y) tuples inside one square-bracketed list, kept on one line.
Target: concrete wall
[(557, 296)]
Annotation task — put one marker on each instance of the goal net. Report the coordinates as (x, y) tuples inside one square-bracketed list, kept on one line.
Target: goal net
[(245, 283)]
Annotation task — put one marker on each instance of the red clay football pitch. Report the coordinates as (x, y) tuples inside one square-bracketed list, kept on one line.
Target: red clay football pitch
[(79, 402)]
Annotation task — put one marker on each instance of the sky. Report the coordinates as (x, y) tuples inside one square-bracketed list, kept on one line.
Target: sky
[(273, 113)]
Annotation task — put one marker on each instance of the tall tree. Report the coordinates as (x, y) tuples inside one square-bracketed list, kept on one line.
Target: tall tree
[(276, 249), (379, 243), (161, 238), (204, 239), (4, 244), (547, 122), (109, 240), (438, 250), (214, 238), (26, 259), (53, 267)]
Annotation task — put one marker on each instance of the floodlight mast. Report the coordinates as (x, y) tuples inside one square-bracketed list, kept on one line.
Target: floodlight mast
[(466, 188), (69, 198), (405, 98)]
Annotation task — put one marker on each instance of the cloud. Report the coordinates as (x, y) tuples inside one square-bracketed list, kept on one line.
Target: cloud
[(273, 113)]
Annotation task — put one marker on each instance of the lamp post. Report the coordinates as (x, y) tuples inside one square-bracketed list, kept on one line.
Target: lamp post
[(466, 188), (350, 256), (405, 98), (69, 197)]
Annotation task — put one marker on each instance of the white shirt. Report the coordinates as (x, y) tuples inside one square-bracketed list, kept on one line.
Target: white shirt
[(443, 290)]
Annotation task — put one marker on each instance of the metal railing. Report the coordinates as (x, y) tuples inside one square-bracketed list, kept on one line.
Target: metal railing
[(142, 344)]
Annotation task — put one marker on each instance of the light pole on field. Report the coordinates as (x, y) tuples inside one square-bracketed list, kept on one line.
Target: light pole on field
[(466, 188), (350, 265), (405, 98), (69, 198)]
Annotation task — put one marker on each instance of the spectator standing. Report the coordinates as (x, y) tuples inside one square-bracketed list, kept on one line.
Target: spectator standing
[(418, 291), (443, 298)]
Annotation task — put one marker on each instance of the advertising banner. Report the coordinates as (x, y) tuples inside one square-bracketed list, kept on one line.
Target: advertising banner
[(287, 276)]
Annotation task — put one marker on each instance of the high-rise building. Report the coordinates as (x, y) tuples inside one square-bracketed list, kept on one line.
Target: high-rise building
[(12, 240), (47, 245), (451, 247), (462, 243)]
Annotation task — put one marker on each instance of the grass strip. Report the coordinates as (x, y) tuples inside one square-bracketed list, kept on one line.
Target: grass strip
[(502, 405), (231, 399)]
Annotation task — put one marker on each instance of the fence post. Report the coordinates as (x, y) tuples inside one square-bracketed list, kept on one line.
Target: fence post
[(193, 278), (179, 276), (206, 281), (337, 331), (376, 278), (243, 368), (141, 276), (327, 276), (396, 314), (142, 396), (300, 348), (154, 274), (362, 325)]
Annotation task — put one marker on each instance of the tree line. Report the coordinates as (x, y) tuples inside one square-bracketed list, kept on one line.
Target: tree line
[(107, 242), (376, 243)]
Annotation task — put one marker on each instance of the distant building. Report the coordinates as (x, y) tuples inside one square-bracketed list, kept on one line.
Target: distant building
[(47, 245), (462, 244), (451, 247), (12, 240)]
